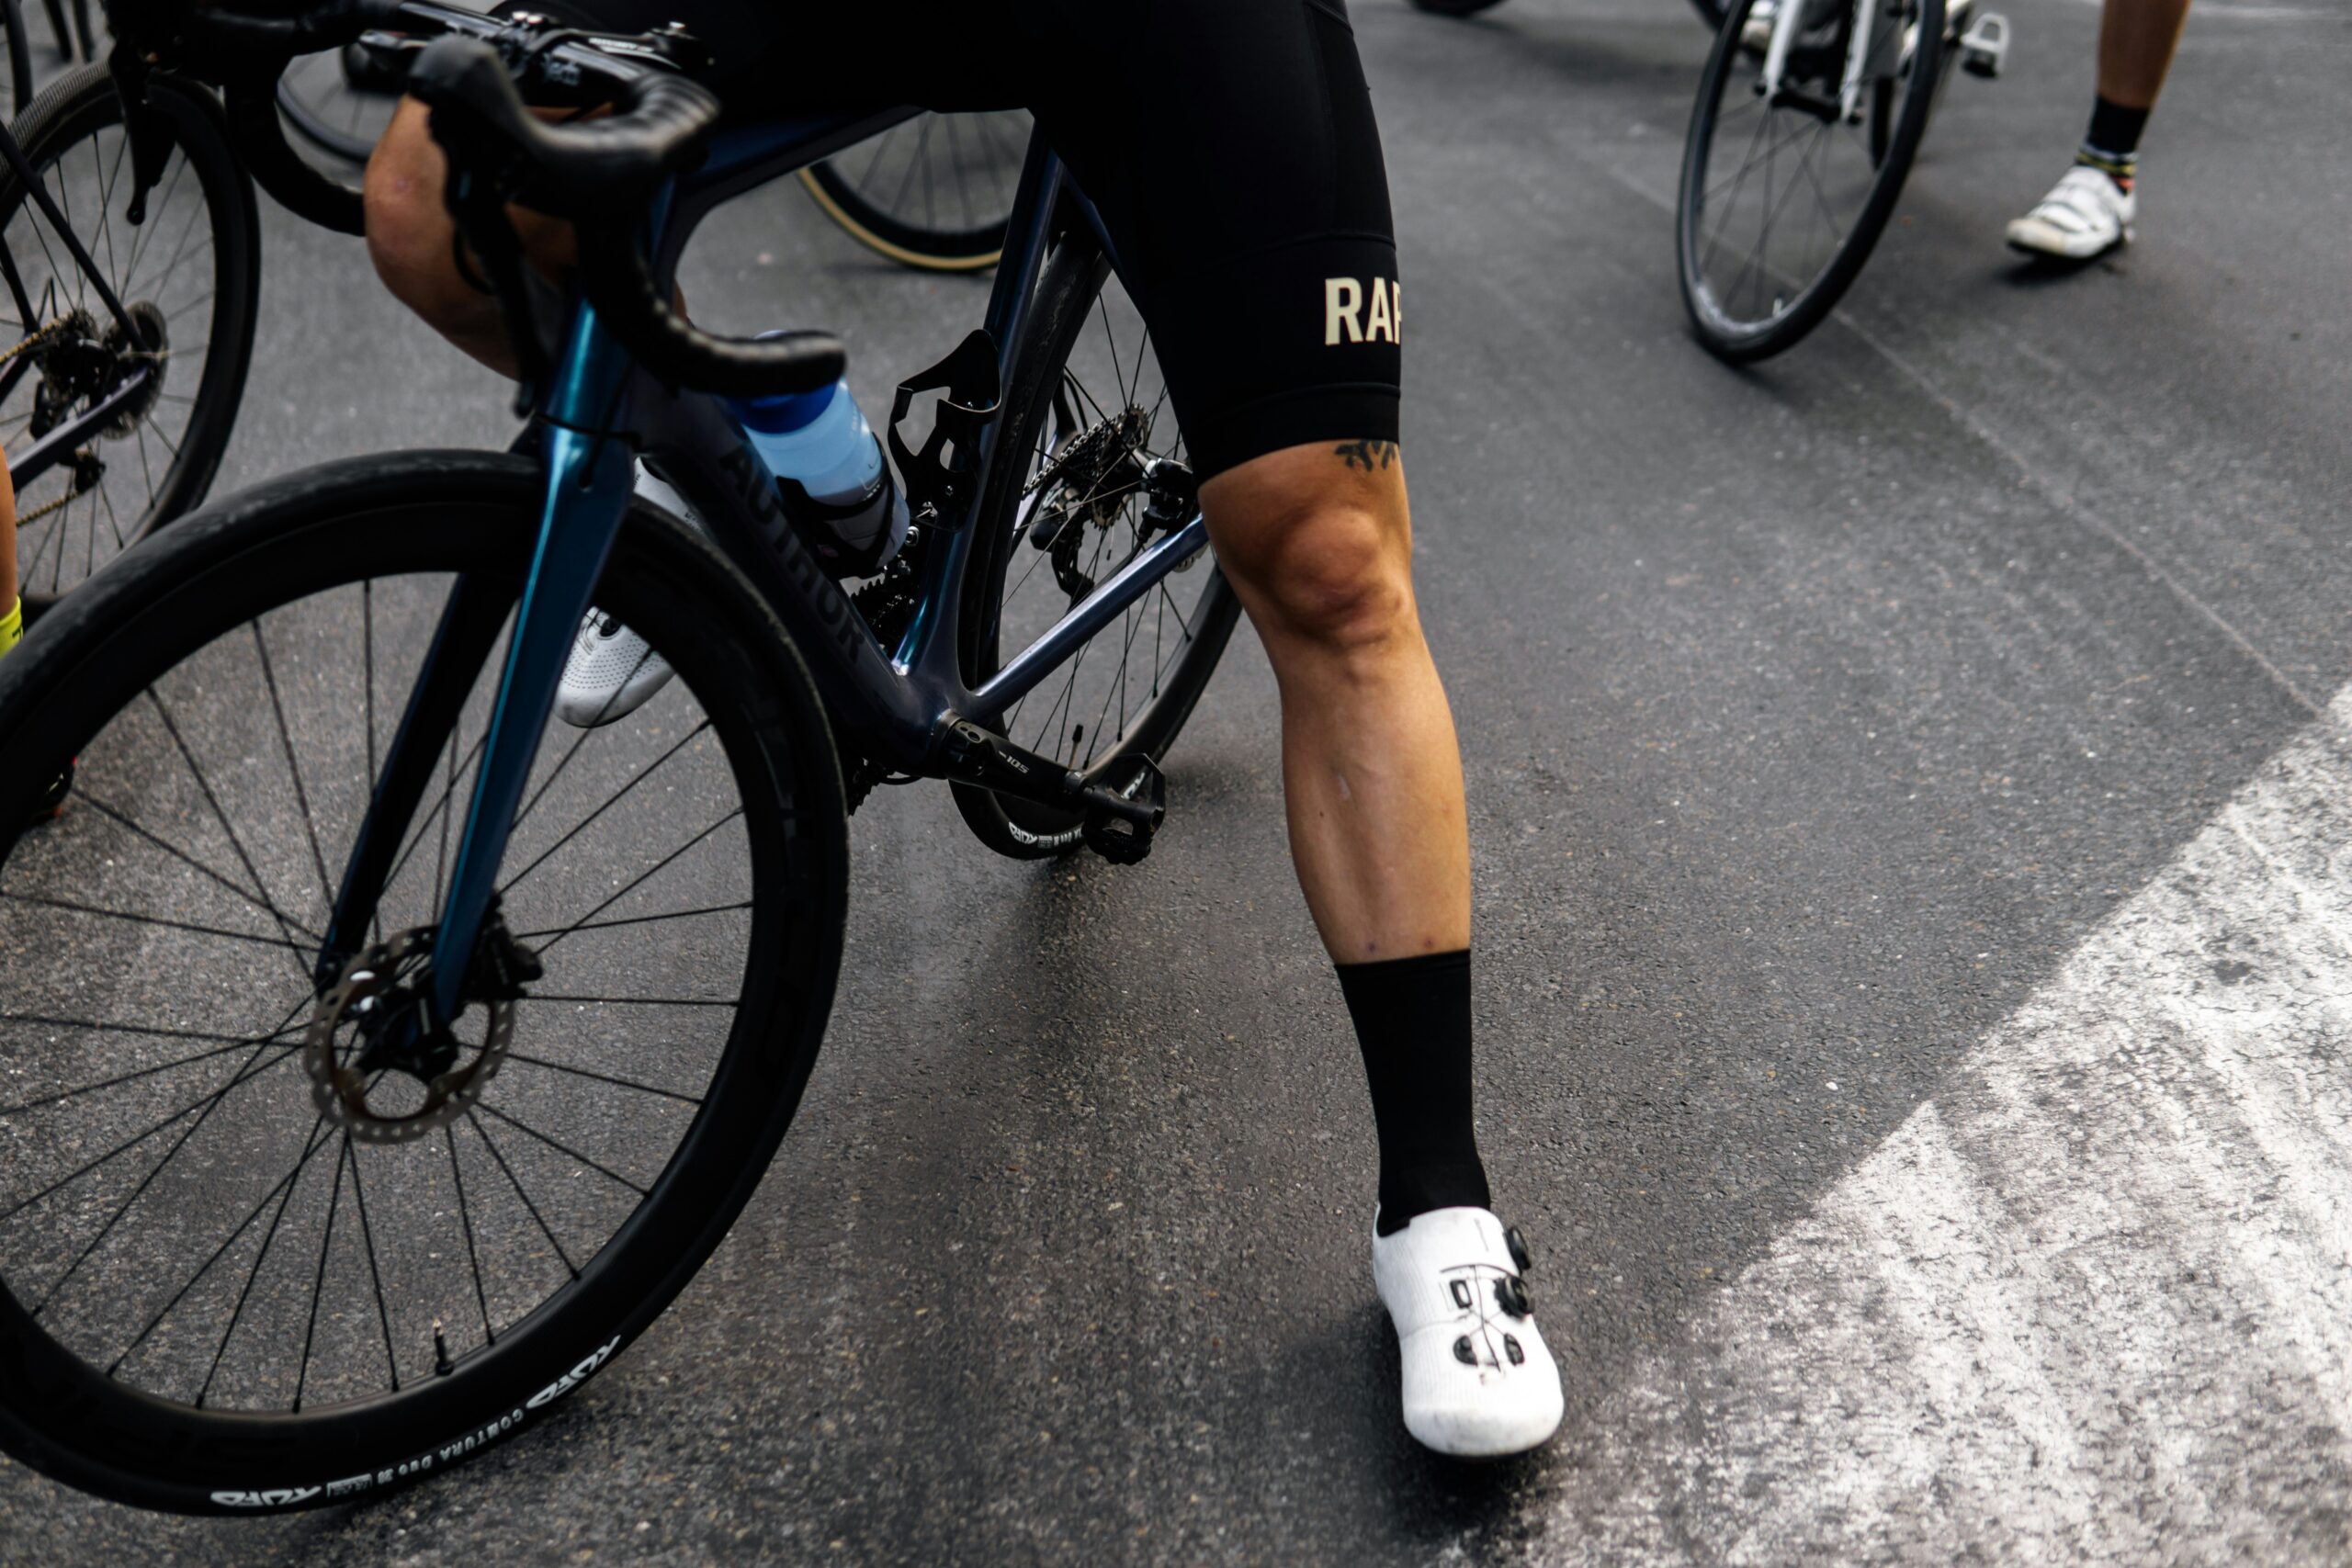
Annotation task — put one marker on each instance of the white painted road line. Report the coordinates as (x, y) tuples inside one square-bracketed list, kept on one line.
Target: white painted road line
[(2094, 1303)]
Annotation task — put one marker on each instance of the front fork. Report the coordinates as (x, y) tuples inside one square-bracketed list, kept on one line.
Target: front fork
[(589, 477)]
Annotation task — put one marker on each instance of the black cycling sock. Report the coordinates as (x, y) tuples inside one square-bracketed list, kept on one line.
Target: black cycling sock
[(2112, 143), (1413, 1017)]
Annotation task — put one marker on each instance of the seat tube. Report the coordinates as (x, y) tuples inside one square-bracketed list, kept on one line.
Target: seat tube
[(588, 485)]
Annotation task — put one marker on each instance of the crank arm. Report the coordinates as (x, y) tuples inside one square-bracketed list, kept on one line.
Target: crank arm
[(1119, 822)]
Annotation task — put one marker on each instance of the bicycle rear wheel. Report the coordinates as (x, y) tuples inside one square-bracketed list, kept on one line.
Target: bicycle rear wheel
[(225, 1287), (1782, 200), (190, 277), (1066, 507), (933, 193)]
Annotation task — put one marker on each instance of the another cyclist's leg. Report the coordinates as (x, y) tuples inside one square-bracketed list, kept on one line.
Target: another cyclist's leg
[(2092, 208), (1246, 194), (12, 612), (12, 616)]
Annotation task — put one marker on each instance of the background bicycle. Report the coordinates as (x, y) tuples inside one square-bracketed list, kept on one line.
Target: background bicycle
[(1709, 11), (129, 341), (1808, 115)]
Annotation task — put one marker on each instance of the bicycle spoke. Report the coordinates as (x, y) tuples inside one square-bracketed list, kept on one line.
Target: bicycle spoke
[(487, 1142), (140, 1191), (319, 1285), (294, 768), (110, 812), (65, 1094), (641, 879), (602, 1077), (375, 1275), (587, 925), (284, 1194), (563, 1148), (465, 1218), (205, 786), (615, 798)]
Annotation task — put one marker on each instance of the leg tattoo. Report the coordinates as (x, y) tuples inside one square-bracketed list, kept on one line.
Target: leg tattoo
[(1366, 454)]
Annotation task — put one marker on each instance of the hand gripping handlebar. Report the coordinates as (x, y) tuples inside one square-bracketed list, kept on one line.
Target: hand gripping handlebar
[(600, 173)]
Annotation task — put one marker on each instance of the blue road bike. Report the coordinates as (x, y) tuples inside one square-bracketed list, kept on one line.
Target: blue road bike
[(377, 1057)]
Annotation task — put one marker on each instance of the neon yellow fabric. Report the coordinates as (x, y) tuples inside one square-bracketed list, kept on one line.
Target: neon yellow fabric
[(12, 625)]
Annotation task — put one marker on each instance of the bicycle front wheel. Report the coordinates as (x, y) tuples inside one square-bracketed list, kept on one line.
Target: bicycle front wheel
[(1783, 196), (257, 1252), (189, 277)]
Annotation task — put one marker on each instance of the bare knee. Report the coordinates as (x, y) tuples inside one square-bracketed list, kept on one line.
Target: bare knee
[(1321, 556)]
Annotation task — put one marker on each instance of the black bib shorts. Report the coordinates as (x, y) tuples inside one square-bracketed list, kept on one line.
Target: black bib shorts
[(1229, 146)]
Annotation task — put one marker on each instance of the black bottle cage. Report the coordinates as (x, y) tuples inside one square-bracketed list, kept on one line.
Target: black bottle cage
[(936, 477)]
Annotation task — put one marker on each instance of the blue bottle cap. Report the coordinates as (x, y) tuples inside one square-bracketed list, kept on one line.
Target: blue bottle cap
[(782, 414)]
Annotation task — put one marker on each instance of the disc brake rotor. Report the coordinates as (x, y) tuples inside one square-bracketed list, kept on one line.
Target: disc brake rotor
[(379, 999)]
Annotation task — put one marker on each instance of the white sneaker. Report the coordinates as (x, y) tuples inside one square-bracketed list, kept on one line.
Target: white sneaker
[(1478, 1381), (612, 671), (2084, 215)]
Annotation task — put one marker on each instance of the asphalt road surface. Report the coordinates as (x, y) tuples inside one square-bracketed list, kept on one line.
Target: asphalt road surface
[(1908, 791)]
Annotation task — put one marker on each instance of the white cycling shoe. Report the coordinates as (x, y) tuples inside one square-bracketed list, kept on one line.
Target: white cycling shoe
[(1478, 1381), (2084, 215), (612, 671)]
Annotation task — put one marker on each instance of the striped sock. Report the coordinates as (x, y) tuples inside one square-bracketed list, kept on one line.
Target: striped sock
[(2120, 167), (2112, 144)]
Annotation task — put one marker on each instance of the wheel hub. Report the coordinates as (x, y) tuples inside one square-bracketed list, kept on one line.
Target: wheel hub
[(380, 1066), (81, 365)]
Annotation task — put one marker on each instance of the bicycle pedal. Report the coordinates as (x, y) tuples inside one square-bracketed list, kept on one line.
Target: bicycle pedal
[(1120, 822), (1985, 48)]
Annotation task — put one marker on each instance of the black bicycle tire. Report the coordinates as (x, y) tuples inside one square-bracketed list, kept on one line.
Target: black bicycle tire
[(1820, 295), (82, 102), (1709, 12), (1073, 275), (1456, 7), (463, 510), (927, 250)]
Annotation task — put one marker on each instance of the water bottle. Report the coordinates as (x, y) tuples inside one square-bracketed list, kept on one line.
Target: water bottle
[(836, 486)]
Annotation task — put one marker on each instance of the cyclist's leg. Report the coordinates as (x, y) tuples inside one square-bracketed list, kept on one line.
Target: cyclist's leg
[(2094, 205), (1317, 542), (2136, 42), (1240, 177)]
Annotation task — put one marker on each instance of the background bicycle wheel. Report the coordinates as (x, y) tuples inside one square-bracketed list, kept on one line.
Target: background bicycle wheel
[(933, 193), (188, 275)]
